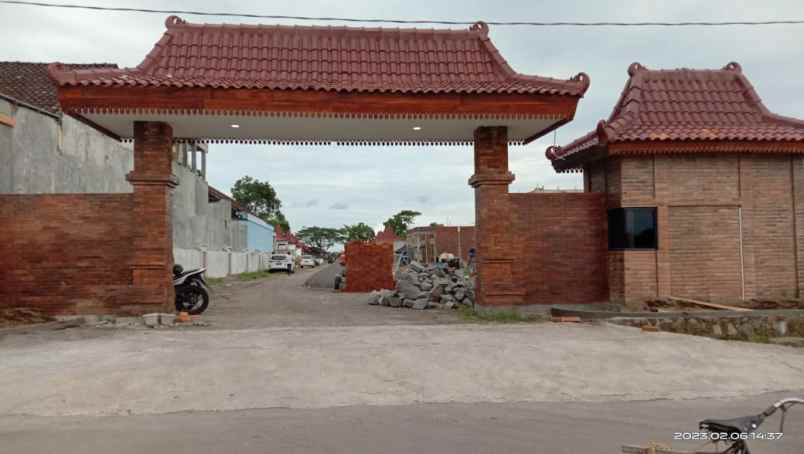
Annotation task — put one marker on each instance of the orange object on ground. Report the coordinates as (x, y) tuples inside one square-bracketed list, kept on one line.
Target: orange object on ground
[(567, 319)]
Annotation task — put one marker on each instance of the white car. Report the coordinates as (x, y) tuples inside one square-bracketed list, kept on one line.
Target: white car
[(308, 260), (319, 261), (281, 262)]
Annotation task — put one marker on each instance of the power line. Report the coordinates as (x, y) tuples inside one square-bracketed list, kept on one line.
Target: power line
[(406, 21)]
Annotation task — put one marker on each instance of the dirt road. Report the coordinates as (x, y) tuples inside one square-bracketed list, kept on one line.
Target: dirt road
[(283, 301)]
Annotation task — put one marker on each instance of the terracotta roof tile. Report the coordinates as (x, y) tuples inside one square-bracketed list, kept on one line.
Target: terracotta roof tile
[(684, 105), (29, 83), (325, 58)]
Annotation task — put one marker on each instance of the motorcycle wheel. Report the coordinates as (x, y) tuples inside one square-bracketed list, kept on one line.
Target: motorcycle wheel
[(195, 300)]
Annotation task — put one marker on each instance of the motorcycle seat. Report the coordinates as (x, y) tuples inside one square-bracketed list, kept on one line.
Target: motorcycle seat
[(745, 424), (185, 273)]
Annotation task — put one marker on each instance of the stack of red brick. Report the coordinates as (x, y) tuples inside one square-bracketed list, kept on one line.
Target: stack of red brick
[(369, 266)]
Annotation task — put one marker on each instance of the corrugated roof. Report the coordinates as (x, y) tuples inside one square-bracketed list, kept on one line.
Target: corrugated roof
[(345, 59), (685, 105)]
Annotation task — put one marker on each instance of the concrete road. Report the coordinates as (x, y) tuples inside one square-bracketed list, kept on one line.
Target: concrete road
[(284, 368), (161, 371), (527, 428)]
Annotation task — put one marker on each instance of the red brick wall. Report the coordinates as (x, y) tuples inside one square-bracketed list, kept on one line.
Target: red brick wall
[(560, 247), (769, 226), (705, 253), (448, 239), (727, 224), (632, 275), (369, 266), (68, 253)]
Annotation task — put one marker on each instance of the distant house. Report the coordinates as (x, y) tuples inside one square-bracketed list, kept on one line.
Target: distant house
[(427, 243), (388, 235), (704, 188)]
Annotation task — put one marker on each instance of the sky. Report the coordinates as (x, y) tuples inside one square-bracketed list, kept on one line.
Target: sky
[(337, 185)]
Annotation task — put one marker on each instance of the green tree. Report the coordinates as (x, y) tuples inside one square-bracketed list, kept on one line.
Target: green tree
[(400, 222), (357, 232), (278, 219), (321, 238), (259, 198), (256, 196)]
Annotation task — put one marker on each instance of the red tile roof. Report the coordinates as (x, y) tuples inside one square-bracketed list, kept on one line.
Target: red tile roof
[(683, 106), (30, 83), (343, 59)]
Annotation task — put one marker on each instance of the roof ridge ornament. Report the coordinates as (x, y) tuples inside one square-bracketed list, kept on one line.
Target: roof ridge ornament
[(173, 21), (634, 68), (584, 79), (733, 66), (602, 134), (480, 27), (552, 152)]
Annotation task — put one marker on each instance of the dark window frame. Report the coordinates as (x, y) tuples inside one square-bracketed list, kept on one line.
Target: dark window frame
[(633, 229)]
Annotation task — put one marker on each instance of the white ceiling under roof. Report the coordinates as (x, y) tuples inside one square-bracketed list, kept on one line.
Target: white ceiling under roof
[(309, 129)]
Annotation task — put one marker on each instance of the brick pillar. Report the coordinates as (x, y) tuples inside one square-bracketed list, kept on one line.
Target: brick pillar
[(153, 180), (494, 242)]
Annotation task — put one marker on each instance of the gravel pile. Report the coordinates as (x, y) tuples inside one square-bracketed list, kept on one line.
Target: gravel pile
[(427, 287)]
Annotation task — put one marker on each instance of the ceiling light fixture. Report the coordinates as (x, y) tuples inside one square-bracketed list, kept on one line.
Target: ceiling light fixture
[(235, 126), (417, 128)]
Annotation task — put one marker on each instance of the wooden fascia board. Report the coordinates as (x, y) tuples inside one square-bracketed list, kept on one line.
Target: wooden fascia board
[(703, 146), (76, 99)]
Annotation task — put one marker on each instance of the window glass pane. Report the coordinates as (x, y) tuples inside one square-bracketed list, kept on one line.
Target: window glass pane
[(617, 229), (632, 228), (642, 228)]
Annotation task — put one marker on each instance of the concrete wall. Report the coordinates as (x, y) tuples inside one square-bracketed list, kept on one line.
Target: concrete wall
[(190, 209), (221, 263), (198, 223), (188, 258), (729, 226), (47, 154)]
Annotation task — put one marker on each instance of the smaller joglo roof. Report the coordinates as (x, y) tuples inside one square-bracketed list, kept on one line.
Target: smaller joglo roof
[(684, 111), (312, 83)]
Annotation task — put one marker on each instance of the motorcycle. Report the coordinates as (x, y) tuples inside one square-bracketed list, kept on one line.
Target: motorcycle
[(192, 293)]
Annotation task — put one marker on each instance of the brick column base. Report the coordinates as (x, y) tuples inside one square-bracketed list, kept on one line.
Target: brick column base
[(495, 282), (152, 179)]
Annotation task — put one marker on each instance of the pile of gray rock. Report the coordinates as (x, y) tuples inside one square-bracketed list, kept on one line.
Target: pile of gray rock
[(427, 287)]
